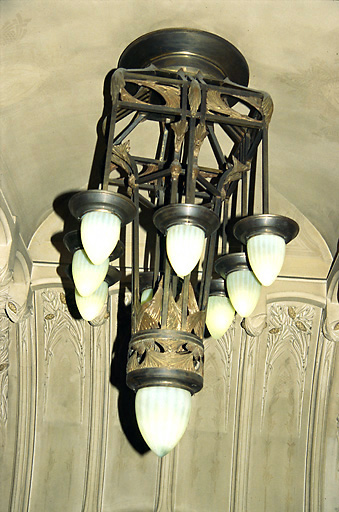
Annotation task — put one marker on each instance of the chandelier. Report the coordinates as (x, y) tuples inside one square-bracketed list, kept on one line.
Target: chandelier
[(188, 90)]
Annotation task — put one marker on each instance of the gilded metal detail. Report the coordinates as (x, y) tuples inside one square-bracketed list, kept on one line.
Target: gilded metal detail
[(163, 352), (267, 108), (149, 314), (179, 128), (120, 156), (199, 137), (170, 93), (217, 103), (194, 96)]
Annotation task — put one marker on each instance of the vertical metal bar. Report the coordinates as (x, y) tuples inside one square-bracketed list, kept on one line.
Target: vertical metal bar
[(162, 152), (135, 260), (185, 302), (251, 195), (265, 184), (209, 260), (190, 181), (107, 169), (224, 224)]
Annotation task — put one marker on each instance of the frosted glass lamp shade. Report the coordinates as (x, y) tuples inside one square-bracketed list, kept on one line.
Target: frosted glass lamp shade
[(100, 232), (162, 414), (91, 306), (219, 315), (87, 277), (243, 290), (184, 245), (266, 254)]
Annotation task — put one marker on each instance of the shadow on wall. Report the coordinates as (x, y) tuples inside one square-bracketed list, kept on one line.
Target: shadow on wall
[(126, 399)]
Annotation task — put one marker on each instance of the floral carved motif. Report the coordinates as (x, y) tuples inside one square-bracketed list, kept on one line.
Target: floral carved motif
[(4, 365), (61, 327), (289, 330)]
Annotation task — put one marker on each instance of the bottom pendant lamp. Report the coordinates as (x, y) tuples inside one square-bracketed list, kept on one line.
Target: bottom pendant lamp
[(266, 236), (242, 286), (162, 414), (220, 312)]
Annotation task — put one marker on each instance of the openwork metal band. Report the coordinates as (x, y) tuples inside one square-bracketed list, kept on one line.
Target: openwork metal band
[(167, 358)]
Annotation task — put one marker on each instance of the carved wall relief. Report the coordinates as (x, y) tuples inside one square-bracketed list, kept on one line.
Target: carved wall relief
[(27, 392), (289, 331), (4, 364), (60, 327)]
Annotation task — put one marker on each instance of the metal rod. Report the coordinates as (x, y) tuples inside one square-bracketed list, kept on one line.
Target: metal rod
[(170, 111), (153, 176), (184, 292), (190, 179), (207, 185), (135, 258), (265, 184), (251, 195), (138, 118), (206, 279), (216, 148), (224, 224)]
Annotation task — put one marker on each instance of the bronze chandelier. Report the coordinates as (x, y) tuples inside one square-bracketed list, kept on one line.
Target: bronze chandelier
[(193, 87)]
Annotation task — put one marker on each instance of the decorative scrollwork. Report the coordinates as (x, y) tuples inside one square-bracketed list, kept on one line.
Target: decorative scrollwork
[(160, 351), (170, 93)]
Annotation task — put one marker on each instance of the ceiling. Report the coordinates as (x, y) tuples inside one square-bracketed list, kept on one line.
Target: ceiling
[(55, 56)]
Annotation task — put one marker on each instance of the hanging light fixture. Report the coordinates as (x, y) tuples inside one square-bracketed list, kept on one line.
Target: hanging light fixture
[(266, 237), (220, 311), (192, 86)]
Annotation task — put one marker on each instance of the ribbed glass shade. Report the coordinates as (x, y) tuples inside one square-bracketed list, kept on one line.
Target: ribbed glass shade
[(184, 245), (87, 277), (219, 315), (91, 306), (266, 254), (146, 296), (162, 415), (243, 290), (100, 232)]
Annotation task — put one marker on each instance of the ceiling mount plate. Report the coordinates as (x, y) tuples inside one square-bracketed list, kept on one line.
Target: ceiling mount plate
[(193, 50)]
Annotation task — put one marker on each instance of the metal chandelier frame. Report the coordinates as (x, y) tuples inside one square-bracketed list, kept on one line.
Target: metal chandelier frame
[(189, 83)]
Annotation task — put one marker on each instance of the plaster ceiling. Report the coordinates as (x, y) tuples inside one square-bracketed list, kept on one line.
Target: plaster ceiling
[(56, 54)]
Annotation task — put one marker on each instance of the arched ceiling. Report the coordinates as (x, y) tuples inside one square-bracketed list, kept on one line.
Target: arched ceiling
[(56, 54)]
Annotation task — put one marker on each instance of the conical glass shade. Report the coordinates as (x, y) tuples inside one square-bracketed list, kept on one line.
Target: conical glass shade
[(162, 415), (87, 277), (91, 306), (219, 315), (243, 290), (100, 232), (184, 245), (266, 254)]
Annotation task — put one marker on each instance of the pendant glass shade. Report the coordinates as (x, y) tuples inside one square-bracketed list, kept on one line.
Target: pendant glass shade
[(162, 414), (87, 277), (219, 315), (91, 306), (266, 254), (100, 232), (146, 296), (184, 245), (243, 290)]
